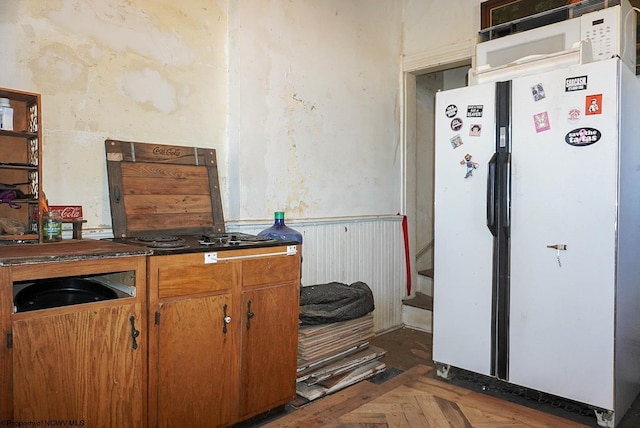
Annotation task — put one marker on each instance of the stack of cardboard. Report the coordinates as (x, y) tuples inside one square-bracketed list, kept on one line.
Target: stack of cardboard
[(334, 356)]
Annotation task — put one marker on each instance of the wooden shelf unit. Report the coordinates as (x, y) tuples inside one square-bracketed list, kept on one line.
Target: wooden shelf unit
[(21, 164)]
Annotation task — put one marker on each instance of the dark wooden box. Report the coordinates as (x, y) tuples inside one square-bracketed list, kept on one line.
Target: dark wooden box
[(163, 189)]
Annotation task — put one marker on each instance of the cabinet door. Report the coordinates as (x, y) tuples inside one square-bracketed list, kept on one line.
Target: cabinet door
[(80, 367), (269, 347), (197, 363)]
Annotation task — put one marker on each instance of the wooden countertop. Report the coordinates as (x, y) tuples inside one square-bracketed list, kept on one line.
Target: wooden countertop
[(84, 249)]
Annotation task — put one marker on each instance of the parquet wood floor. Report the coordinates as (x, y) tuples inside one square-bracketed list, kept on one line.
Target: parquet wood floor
[(415, 399)]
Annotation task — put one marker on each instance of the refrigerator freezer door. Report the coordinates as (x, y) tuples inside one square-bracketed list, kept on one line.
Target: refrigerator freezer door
[(563, 232), (627, 353), (464, 144)]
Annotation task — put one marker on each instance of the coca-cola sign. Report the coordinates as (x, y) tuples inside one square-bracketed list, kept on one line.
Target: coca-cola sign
[(167, 151), (67, 212)]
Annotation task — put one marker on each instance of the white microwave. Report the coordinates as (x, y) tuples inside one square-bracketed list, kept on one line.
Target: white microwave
[(605, 33)]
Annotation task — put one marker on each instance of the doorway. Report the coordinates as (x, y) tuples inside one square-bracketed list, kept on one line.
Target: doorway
[(420, 89)]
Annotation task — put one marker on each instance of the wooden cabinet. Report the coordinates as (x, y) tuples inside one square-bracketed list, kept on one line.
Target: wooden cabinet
[(84, 364), (21, 168), (223, 335), (79, 366), (198, 340), (192, 350), (269, 326)]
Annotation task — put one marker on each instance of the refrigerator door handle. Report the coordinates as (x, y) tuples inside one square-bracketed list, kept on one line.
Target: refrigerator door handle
[(491, 195), (507, 207)]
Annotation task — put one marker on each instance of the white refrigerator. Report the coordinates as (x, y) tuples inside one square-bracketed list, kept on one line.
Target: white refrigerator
[(537, 234)]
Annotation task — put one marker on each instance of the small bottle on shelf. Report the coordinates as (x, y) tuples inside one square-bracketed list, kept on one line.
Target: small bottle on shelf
[(51, 222), (51, 227), (6, 115)]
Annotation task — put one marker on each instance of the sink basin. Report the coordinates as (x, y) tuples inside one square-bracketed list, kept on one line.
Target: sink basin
[(51, 293)]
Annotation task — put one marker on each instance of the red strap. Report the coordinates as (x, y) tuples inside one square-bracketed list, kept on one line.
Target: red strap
[(405, 232)]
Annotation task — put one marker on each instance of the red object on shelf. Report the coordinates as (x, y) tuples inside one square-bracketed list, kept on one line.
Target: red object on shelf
[(67, 212)]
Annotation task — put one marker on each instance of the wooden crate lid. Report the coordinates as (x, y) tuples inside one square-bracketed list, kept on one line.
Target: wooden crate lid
[(163, 189)]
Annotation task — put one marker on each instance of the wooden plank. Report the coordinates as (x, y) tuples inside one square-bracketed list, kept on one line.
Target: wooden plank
[(314, 330), (306, 367), (415, 415), (116, 202), (420, 300), (321, 341), (160, 171), (452, 413), (162, 222), (312, 392), (168, 204), (310, 344), (341, 366), (129, 151), (364, 371), (165, 186), (214, 186), (339, 331), (333, 345)]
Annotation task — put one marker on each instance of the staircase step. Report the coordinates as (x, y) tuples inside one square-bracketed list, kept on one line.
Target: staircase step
[(420, 300), (417, 312), (426, 272)]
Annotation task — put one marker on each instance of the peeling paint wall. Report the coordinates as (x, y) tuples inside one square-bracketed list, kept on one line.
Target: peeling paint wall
[(315, 91), (140, 70), (299, 97)]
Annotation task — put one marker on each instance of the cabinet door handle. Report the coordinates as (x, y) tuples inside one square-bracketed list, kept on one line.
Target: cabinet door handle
[(134, 333), (249, 314), (225, 319)]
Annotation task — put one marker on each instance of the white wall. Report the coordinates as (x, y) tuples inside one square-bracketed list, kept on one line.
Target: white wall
[(429, 25), (314, 107), (142, 70), (438, 32), (299, 98)]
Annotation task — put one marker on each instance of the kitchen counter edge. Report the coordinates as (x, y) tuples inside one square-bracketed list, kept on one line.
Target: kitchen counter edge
[(66, 250)]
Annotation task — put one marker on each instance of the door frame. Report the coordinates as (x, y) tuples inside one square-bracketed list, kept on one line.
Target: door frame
[(444, 58)]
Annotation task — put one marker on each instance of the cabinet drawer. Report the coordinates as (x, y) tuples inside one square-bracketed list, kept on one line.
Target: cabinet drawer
[(194, 279), (270, 270)]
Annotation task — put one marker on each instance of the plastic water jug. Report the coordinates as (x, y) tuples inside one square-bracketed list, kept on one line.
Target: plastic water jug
[(281, 231)]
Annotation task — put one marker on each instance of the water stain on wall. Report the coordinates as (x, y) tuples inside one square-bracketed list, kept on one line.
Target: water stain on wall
[(144, 70), (57, 65), (148, 86)]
